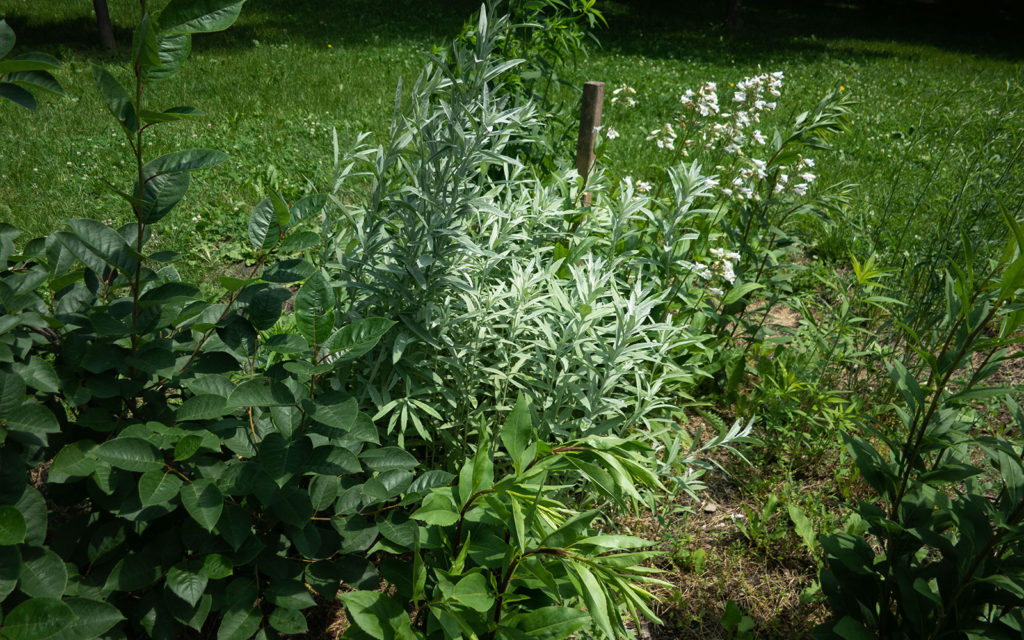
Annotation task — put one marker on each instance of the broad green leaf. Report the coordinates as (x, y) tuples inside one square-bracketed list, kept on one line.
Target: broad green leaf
[(202, 407), (203, 501), (288, 621), (172, 50), (314, 310), (377, 614), (263, 306), (161, 194), (551, 623), (308, 206), (437, 509), (739, 291), (472, 591), (185, 583), (32, 506), (239, 624), (517, 432), (104, 243), (185, 160), (216, 567), (10, 568), (291, 594), (170, 115), (429, 480), (299, 241), (144, 45), (388, 458), (41, 80), (32, 418), (130, 454), (187, 447), (353, 340), (40, 374), (92, 619), (7, 38), (199, 16), (257, 393), (335, 412), (31, 61), (17, 95), (43, 574), (117, 99), (290, 270), (38, 619), (263, 228), (157, 487), (12, 526)]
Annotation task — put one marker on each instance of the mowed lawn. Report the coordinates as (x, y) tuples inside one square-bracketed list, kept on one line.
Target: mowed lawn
[(938, 118)]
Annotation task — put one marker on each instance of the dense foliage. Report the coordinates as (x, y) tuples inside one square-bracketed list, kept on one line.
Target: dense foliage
[(431, 384)]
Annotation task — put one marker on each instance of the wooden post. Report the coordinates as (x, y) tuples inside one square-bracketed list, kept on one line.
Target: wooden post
[(590, 122)]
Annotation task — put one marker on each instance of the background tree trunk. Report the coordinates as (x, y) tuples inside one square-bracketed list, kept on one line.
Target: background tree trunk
[(734, 19), (103, 22)]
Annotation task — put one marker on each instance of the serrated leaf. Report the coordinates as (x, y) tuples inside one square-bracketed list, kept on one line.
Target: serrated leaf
[(203, 501), (92, 619), (161, 194), (307, 206), (32, 418), (239, 624)]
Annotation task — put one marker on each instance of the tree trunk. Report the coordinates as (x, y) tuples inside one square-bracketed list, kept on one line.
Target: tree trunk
[(103, 22), (734, 20)]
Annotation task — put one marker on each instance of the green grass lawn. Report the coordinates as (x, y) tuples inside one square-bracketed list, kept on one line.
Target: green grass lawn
[(931, 160), (938, 109)]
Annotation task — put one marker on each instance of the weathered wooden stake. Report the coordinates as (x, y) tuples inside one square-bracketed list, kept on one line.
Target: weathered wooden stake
[(590, 122)]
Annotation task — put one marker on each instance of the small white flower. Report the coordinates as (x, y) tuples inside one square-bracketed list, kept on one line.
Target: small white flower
[(643, 187), (612, 133), (759, 137), (800, 189), (715, 291), (809, 177)]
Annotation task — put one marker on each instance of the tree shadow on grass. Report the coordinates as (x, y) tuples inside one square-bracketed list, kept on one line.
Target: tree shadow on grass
[(810, 28), (350, 23)]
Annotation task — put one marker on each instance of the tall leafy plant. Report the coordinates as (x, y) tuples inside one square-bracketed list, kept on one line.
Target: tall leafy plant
[(942, 555)]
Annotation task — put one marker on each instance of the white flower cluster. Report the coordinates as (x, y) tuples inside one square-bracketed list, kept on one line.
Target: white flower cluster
[(722, 266), (624, 94), (665, 137)]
